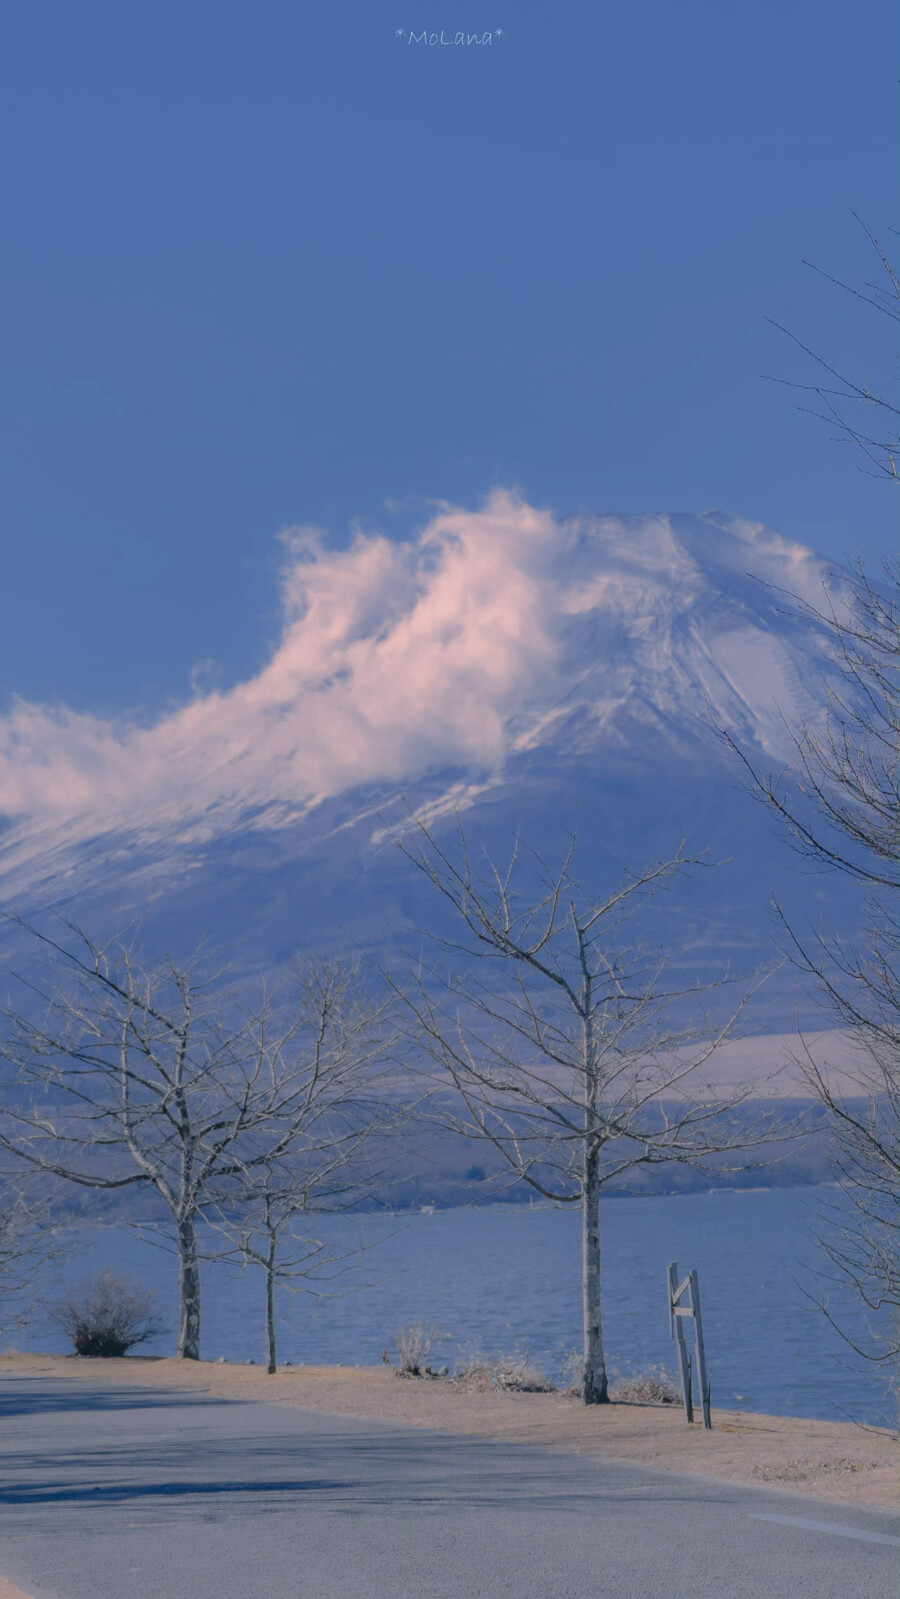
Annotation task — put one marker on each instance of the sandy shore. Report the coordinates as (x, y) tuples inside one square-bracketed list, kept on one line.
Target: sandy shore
[(828, 1459)]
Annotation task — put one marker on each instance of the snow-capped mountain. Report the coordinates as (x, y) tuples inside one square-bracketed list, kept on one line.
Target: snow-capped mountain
[(668, 623), (517, 665)]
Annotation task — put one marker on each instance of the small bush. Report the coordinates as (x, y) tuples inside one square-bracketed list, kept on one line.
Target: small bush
[(107, 1316), (413, 1345), (504, 1374), (654, 1386)]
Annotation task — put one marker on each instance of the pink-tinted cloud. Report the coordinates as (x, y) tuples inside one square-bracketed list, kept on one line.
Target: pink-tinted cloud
[(393, 657), (488, 633)]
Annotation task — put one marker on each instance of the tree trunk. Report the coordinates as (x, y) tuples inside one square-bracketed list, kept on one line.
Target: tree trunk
[(188, 1290), (594, 1385), (271, 1364)]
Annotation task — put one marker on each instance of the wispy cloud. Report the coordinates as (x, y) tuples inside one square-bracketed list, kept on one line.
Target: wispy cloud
[(456, 648), (393, 657)]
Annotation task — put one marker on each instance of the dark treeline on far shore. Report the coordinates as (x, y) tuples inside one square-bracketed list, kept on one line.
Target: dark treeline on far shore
[(444, 1170)]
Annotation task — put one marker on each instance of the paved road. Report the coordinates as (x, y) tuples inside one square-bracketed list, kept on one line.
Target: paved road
[(130, 1493)]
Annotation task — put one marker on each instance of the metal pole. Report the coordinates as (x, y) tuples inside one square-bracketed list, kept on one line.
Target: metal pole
[(702, 1373)]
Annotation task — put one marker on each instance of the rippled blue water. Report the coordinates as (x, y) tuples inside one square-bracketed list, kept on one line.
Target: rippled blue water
[(503, 1278)]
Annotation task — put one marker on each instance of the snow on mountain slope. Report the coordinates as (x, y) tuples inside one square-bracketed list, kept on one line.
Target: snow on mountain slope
[(499, 643), (673, 621)]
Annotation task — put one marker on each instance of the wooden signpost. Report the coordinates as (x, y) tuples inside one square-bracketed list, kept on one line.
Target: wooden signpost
[(684, 1300)]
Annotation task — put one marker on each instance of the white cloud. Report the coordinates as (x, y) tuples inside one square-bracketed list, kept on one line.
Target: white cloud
[(491, 632), (393, 658)]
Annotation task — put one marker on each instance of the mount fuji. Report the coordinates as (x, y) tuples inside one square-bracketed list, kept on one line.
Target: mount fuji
[(522, 668)]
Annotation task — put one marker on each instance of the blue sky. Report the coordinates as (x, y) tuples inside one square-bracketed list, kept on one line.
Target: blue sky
[(264, 266)]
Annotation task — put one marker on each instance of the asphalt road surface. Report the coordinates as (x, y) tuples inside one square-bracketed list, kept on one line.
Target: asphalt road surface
[(129, 1493)]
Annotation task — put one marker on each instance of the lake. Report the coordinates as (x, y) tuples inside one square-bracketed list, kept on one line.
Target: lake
[(502, 1279)]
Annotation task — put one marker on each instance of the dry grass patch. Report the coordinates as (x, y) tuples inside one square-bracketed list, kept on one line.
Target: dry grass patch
[(809, 1470)]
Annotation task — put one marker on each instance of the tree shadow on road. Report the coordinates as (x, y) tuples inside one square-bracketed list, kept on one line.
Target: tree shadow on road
[(118, 1493)]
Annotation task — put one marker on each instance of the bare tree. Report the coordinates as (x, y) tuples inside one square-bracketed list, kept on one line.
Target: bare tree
[(838, 796), (860, 1231), (839, 804), (29, 1240), (563, 1049), (865, 417), (331, 1155), (269, 1224), (260, 1226), (158, 1076)]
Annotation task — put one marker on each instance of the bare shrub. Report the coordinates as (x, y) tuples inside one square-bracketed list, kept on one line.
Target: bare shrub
[(653, 1386), (504, 1374), (108, 1315), (801, 1470), (414, 1344)]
